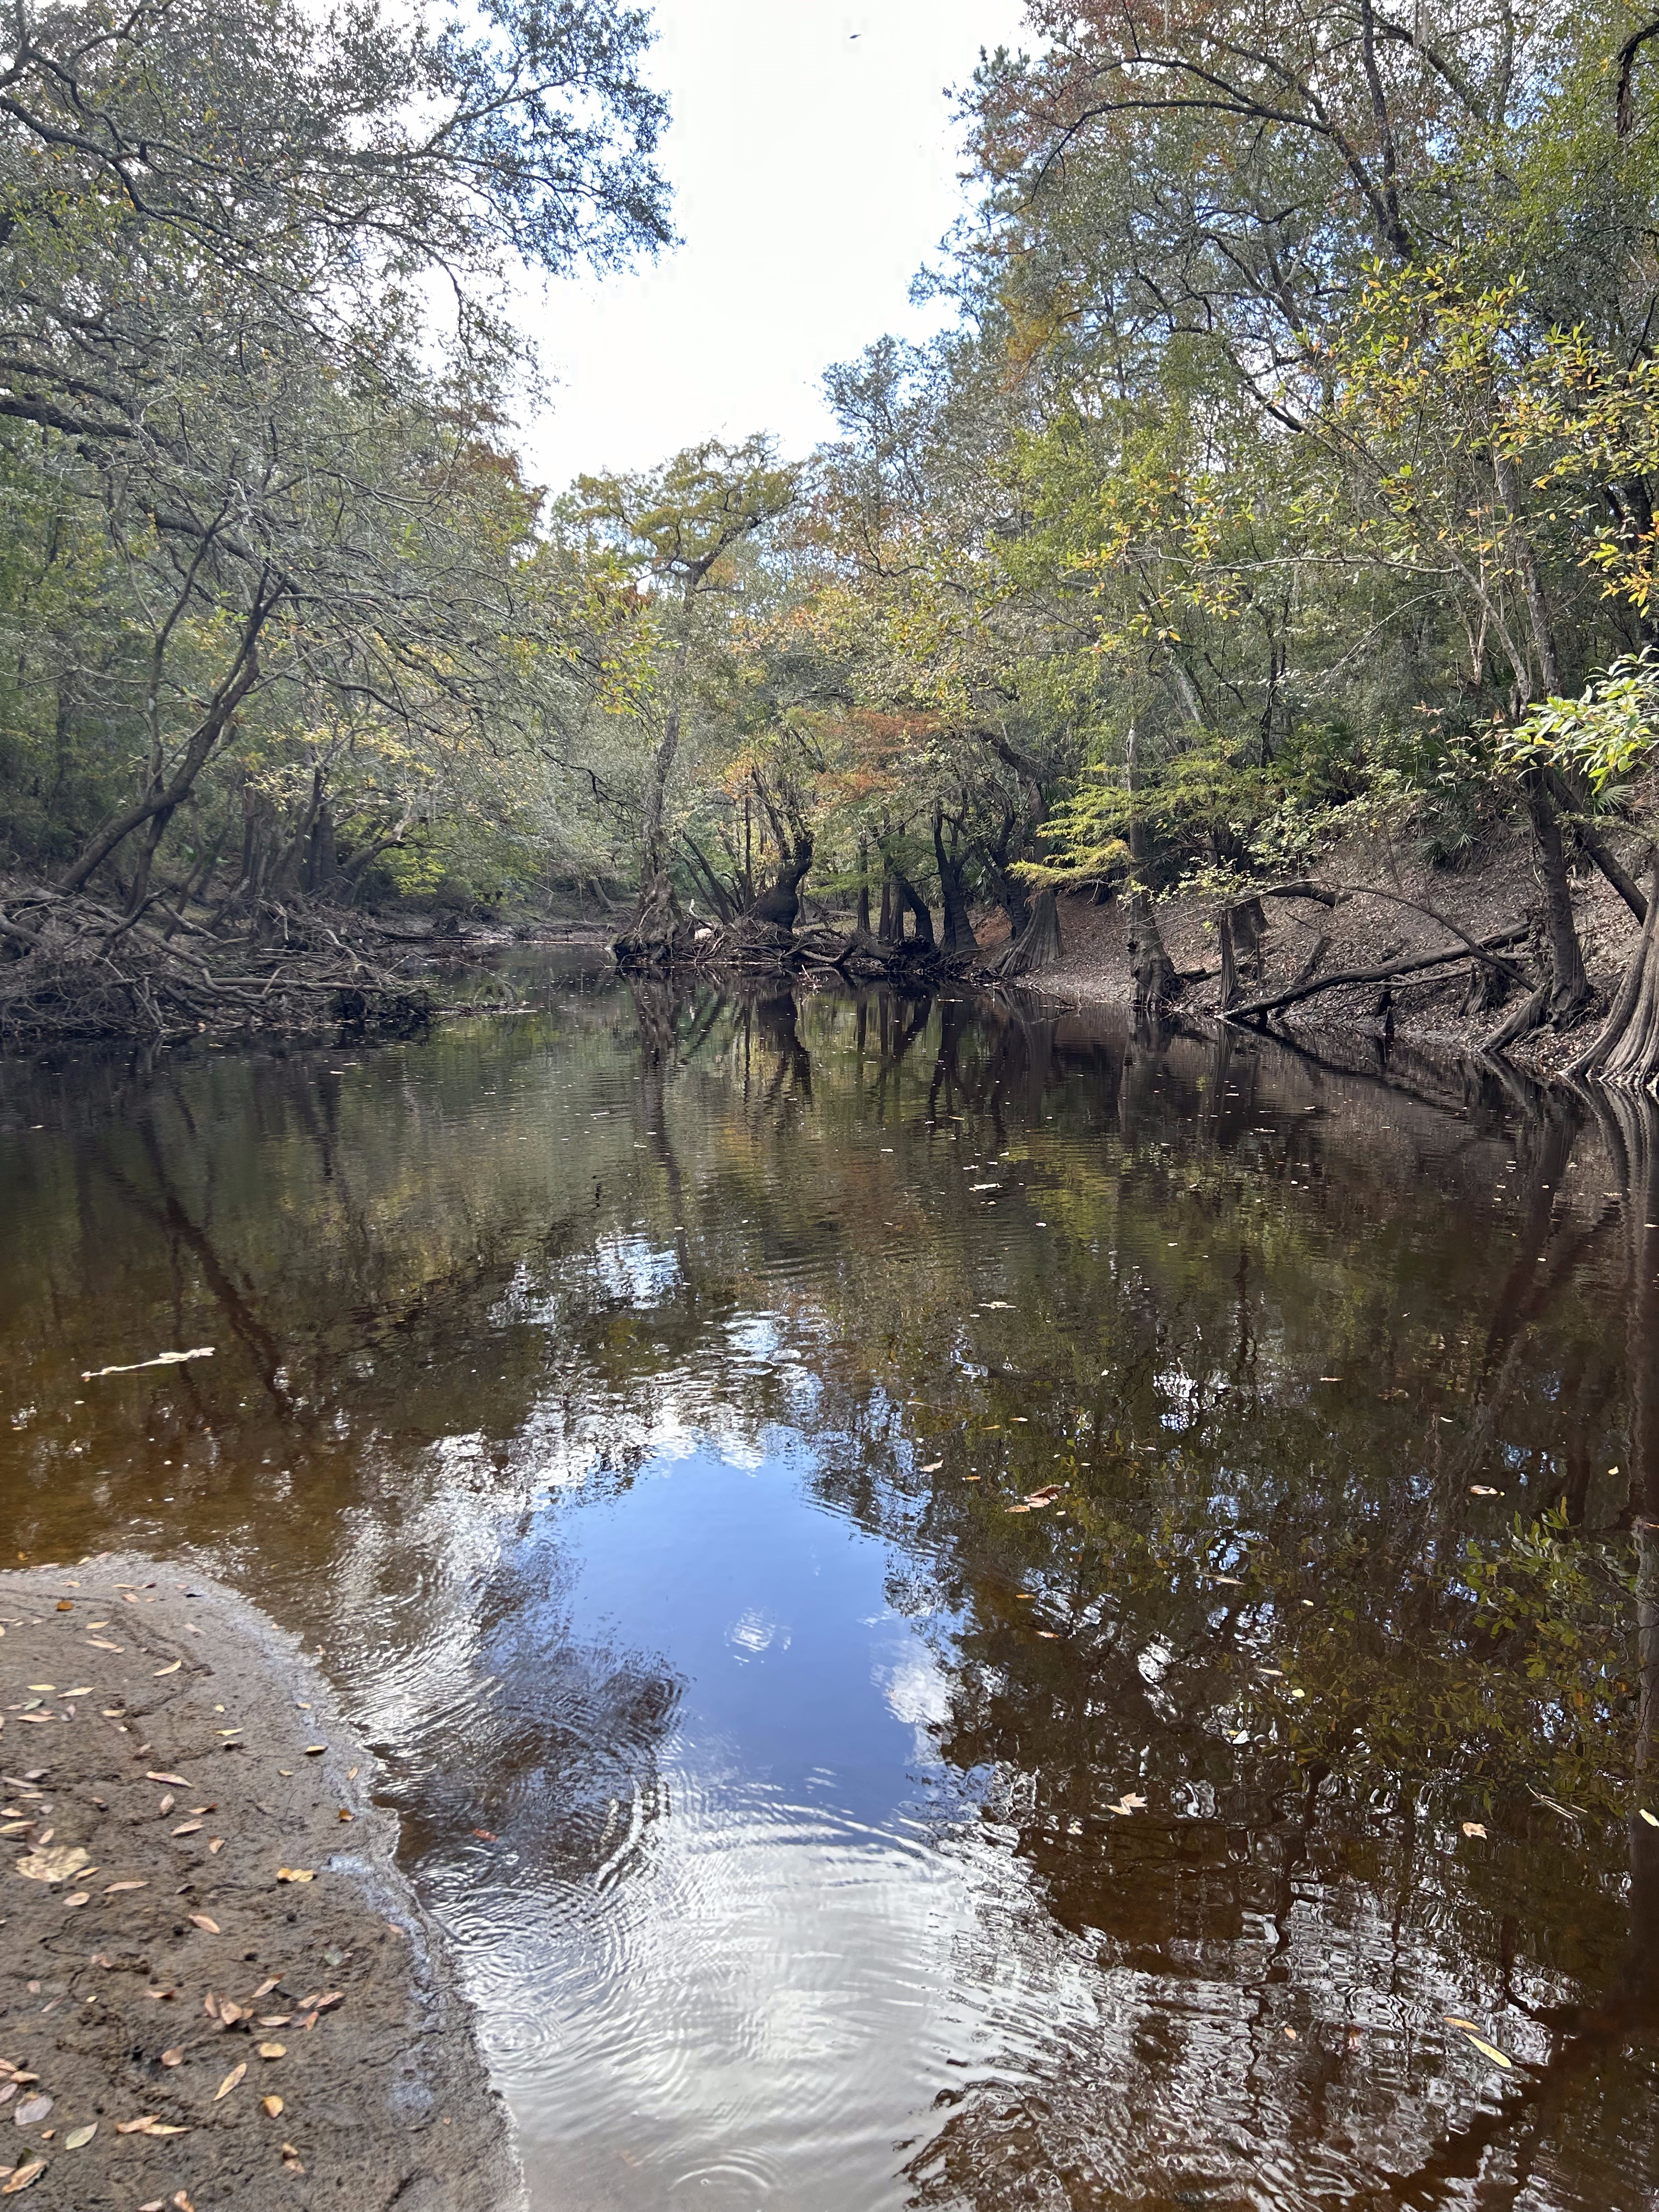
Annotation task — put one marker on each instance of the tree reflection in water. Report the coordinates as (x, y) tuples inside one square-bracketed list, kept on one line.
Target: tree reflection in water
[(1349, 1376)]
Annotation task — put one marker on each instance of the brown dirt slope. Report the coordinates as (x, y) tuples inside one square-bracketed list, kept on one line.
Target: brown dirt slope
[(167, 1753), (1497, 887)]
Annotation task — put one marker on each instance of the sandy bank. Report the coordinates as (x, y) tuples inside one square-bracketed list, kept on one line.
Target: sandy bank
[(216, 1987)]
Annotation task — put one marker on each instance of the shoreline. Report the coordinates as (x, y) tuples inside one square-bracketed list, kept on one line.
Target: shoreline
[(215, 1978)]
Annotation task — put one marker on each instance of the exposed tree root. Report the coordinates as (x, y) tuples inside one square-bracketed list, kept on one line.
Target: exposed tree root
[(78, 969)]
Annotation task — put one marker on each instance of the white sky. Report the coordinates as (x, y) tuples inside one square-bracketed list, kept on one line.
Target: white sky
[(814, 172)]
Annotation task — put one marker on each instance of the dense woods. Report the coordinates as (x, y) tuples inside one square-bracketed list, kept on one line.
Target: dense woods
[(1287, 465)]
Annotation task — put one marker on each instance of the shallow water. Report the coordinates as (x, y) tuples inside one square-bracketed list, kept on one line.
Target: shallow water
[(635, 1402)]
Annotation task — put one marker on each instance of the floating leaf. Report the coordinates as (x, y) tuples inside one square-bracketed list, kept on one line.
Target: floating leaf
[(162, 1359), (230, 2080), (78, 2138), (1649, 1818), (933, 1467), (1474, 1828), (1481, 1489), (1487, 2050)]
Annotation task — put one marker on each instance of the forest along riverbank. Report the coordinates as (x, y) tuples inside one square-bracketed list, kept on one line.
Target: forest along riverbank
[(215, 1986)]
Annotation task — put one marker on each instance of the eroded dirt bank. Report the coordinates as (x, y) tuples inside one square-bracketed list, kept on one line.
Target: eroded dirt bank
[(215, 1988), (1496, 888)]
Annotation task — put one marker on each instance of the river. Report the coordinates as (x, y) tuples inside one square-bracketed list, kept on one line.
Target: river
[(963, 1609)]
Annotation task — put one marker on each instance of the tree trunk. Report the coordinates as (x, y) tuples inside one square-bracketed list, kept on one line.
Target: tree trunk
[(958, 927), (1152, 971), (910, 897), (780, 905), (1569, 989), (1037, 946), (1627, 1053), (862, 923)]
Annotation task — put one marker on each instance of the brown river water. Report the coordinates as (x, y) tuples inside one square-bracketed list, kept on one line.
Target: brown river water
[(636, 1402)]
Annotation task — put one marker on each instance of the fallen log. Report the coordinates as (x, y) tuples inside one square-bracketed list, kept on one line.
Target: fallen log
[(1409, 964)]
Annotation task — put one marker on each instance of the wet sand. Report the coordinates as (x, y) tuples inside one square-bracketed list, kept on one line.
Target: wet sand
[(216, 1986)]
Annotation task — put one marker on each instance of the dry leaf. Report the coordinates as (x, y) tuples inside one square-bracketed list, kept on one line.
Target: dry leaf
[(135, 2127), (177, 1780), (273, 2106), (116, 1889), (273, 2051), (1474, 1828), (1046, 1496), (80, 1897), (188, 1828), (932, 1467), (230, 2014), (162, 1359), (103, 1643), (23, 2177), (1481, 1489), (173, 2058), (230, 2080), (32, 2112), (265, 1988), (296, 1874), (78, 2138), (1487, 2050), (167, 1803), (315, 1750), (1649, 1818), (201, 1920), (173, 1669), (51, 1866), (216, 1843)]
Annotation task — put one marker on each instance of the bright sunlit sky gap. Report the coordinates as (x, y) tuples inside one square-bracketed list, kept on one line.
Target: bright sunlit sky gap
[(814, 172)]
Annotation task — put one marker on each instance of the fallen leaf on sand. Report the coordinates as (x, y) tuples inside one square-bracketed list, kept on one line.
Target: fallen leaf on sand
[(115, 1888), (138, 2127), (177, 1780), (32, 2112), (80, 1897), (296, 1874), (78, 2138), (162, 1359), (173, 1669), (932, 1467), (273, 2106), (215, 1843), (52, 1866), (173, 2058), (103, 1643), (273, 2051), (315, 1750), (1474, 1828), (230, 2080), (201, 1920), (1649, 1818), (23, 2177), (188, 1828)]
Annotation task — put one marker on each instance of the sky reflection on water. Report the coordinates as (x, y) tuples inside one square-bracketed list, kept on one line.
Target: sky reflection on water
[(638, 1403)]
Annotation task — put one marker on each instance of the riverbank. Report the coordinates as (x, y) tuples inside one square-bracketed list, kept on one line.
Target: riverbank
[(216, 1986), (1496, 888)]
